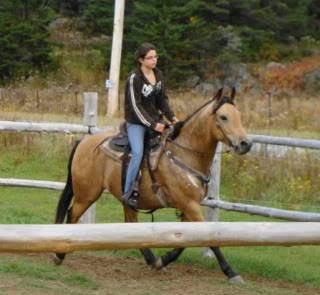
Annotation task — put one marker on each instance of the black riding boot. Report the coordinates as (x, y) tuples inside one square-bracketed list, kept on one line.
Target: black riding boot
[(131, 198)]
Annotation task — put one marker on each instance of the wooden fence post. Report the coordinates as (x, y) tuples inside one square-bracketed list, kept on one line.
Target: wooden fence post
[(90, 109), (212, 214), (90, 119)]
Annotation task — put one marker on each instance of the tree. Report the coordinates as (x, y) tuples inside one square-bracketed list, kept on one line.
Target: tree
[(23, 10), (100, 14), (173, 28), (25, 46), (314, 11), (72, 7)]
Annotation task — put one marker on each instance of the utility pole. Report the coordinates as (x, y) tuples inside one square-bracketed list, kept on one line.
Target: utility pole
[(113, 83)]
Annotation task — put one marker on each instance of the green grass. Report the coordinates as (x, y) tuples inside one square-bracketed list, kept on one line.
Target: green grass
[(27, 206)]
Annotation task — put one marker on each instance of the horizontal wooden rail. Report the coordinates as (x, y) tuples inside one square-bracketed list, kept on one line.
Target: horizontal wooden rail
[(32, 183), (53, 185), (85, 129), (77, 237), (228, 206), (49, 127), (286, 141), (263, 211), (43, 127)]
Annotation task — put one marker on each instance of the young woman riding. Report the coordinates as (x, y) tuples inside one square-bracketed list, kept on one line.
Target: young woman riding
[(145, 100)]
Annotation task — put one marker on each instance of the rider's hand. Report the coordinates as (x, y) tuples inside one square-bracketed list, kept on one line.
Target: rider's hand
[(159, 127), (175, 120)]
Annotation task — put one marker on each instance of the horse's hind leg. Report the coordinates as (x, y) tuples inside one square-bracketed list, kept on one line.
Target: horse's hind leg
[(74, 214), (132, 216), (169, 257), (148, 256), (59, 257), (191, 213)]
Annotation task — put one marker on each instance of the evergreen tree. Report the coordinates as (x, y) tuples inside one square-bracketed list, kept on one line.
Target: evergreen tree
[(73, 7), (238, 30), (173, 29), (314, 11), (100, 14), (24, 43)]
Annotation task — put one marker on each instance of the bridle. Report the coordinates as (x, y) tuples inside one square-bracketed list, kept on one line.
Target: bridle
[(222, 101), (214, 112), (205, 180)]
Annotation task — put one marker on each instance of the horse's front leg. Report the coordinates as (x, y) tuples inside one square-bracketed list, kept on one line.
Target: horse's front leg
[(193, 213), (226, 268)]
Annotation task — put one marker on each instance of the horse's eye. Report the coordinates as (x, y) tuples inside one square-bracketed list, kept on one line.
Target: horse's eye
[(223, 118)]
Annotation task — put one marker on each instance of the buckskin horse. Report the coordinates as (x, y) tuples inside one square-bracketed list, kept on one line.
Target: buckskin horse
[(182, 173)]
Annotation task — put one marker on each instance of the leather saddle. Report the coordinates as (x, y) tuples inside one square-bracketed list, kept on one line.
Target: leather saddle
[(120, 141), (118, 148)]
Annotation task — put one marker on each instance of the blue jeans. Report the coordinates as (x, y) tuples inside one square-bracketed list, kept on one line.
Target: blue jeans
[(136, 139)]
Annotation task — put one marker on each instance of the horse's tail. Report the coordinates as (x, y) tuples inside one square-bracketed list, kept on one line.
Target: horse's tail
[(67, 194)]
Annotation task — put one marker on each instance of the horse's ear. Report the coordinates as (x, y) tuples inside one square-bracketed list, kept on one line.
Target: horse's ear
[(233, 93), (218, 94)]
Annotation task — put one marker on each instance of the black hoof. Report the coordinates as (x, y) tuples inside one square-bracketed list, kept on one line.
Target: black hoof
[(57, 260)]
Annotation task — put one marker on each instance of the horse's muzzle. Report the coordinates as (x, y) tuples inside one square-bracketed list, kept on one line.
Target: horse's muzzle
[(244, 146)]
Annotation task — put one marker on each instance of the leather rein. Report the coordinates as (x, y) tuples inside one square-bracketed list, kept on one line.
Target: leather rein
[(205, 180)]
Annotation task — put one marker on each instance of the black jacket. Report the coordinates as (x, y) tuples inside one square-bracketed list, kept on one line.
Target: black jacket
[(144, 101)]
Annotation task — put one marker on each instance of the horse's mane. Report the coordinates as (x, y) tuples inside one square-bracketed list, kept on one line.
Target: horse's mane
[(180, 124)]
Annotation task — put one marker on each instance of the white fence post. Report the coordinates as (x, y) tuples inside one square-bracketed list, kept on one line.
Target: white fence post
[(212, 214), (90, 119)]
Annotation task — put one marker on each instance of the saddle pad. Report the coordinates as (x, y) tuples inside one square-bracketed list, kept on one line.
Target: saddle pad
[(106, 148)]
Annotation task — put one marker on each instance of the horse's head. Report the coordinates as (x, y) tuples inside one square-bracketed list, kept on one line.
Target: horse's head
[(228, 126)]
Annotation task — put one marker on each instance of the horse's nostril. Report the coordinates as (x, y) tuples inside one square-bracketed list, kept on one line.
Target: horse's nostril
[(244, 143), (245, 146)]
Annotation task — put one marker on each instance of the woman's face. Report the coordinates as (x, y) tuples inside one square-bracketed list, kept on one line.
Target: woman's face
[(150, 60)]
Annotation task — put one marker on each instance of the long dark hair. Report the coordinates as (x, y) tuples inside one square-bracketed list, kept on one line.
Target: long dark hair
[(143, 50)]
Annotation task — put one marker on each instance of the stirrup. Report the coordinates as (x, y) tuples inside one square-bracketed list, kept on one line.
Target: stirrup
[(131, 199)]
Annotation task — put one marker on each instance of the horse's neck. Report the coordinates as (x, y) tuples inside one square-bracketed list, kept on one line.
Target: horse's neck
[(200, 146)]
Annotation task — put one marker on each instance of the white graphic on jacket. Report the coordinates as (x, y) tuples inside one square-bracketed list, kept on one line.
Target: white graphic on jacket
[(148, 89)]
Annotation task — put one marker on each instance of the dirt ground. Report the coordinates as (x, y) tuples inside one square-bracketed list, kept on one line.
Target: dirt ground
[(128, 275)]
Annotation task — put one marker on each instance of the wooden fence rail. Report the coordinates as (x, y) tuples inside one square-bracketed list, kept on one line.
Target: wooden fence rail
[(286, 141), (76, 237), (263, 211), (43, 127), (54, 185), (48, 127), (212, 203)]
